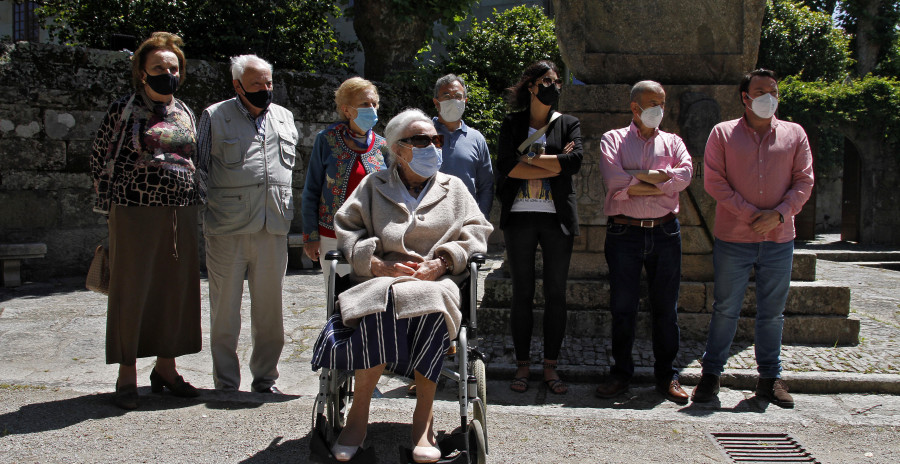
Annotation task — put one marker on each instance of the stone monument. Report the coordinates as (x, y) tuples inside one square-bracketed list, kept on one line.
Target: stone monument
[(698, 50)]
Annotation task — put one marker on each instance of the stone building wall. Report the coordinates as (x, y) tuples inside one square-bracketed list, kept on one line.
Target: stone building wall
[(53, 98)]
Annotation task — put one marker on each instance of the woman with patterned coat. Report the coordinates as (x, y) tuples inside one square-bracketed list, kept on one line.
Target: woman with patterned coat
[(143, 167), (342, 155)]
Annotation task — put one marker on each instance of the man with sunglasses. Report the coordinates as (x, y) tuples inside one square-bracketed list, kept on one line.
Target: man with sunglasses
[(465, 151), (644, 170)]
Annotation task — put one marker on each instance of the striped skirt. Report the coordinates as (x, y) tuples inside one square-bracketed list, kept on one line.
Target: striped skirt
[(405, 345)]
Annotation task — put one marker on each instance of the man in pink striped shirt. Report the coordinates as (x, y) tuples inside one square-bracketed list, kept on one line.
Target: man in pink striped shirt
[(644, 169), (759, 170)]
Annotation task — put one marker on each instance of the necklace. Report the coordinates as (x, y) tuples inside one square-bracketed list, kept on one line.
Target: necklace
[(413, 189), (416, 190)]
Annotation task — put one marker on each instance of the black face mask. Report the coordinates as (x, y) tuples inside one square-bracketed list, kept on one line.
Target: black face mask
[(163, 84), (548, 95), (261, 99)]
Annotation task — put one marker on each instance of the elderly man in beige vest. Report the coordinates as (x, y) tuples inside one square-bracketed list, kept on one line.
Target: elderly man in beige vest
[(246, 149)]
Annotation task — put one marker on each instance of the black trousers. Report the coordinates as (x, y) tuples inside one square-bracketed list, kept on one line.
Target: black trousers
[(523, 234)]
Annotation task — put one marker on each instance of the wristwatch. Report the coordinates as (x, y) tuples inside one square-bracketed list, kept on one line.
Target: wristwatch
[(531, 156)]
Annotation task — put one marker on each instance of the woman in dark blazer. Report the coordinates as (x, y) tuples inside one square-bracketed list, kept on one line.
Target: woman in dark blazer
[(537, 199)]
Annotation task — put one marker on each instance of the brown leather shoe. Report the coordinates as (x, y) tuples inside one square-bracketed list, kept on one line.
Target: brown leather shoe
[(673, 392), (774, 391), (611, 388)]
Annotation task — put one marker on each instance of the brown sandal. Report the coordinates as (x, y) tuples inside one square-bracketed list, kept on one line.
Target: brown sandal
[(520, 384), (556, 386)]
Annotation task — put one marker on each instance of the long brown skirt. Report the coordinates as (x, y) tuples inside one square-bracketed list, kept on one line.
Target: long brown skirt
[(154, 288)]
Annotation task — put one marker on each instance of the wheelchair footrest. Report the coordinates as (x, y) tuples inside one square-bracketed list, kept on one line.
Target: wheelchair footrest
[(320, 449), (453, 450)]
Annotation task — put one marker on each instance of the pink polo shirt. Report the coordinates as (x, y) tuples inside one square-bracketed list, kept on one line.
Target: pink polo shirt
[(746, 173), (625, 149)]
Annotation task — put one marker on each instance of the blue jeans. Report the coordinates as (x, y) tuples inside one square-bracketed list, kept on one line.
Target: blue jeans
[(658, 250), (733, 262)]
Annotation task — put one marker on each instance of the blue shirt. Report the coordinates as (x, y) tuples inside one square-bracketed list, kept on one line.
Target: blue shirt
[(466, 155)]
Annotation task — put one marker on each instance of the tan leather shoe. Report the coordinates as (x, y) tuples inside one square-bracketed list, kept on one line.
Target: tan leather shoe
[(774, 391), (673, 392)]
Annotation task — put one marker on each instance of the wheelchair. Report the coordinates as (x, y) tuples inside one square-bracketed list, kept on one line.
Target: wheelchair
[(463, 363)]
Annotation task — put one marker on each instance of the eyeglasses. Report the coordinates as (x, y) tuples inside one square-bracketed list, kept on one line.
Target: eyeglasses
[(451, 96), (547, 81), (422, 140)]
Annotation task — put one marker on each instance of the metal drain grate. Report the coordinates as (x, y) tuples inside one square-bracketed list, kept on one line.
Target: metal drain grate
[(761, 447)]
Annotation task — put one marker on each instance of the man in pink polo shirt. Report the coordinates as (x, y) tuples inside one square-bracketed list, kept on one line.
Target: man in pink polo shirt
[(644, 169), (759, 170)]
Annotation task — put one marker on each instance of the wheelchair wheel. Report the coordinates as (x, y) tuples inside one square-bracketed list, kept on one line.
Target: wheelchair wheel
[(338, 402), (476, 443), (478, 370)]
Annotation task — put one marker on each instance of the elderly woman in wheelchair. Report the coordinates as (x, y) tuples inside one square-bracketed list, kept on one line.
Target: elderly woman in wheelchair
[(406, 231)]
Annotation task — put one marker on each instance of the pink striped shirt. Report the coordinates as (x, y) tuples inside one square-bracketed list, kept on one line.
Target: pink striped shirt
[(625, 149), (747, 173)]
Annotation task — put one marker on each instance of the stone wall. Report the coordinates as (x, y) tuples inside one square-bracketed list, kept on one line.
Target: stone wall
[(53, 98)]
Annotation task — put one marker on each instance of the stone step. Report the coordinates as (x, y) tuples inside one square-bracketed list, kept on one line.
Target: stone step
[(804, 329), (805, 298), (694, 268), (851, 256)]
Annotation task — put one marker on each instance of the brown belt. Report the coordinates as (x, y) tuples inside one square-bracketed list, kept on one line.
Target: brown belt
[(646, 223)]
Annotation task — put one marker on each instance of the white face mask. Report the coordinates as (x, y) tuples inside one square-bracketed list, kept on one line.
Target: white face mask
[(452, 110), (764, 106), (651, 117)]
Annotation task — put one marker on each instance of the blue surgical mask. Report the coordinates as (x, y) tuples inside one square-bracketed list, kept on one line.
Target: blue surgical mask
[(366, 118), (426, 161)]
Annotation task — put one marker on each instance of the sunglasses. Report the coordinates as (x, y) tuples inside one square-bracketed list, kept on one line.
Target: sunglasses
[(422, 140), (547, 81)]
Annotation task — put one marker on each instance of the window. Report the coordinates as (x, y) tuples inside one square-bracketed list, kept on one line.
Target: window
[(25, 22)]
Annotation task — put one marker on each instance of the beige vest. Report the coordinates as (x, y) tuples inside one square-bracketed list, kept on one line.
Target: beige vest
[(250, 178)]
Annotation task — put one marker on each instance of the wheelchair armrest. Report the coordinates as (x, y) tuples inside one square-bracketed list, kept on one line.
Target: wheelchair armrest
[(334, 255), (479, 258)]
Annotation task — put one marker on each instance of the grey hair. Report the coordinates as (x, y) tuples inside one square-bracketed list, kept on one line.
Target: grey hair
[(645, 86), (397, 126), (239, 64), (447, 80)]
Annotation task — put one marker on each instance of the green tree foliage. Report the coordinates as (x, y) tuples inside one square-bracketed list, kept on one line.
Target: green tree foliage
[(874, 27), (392, 32), (866, 105), (499, 48), (291, 34), (490, 57), (796, 40)]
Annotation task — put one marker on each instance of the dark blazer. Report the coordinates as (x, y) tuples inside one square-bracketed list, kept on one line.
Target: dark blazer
[(514, 131)]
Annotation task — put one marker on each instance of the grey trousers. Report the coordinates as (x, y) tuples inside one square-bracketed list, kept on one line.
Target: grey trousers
[(262, 258)]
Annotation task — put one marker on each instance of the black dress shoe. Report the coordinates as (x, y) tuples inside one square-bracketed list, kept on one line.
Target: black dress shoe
[(178, 388), (707, 389), (126, 396), (611, 389), (271, 390)]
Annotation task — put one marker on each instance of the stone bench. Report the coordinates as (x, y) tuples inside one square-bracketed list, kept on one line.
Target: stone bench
[(12, 255)]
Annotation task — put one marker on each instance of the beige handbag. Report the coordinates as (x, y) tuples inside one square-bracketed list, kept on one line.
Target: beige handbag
[(98, 274)]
